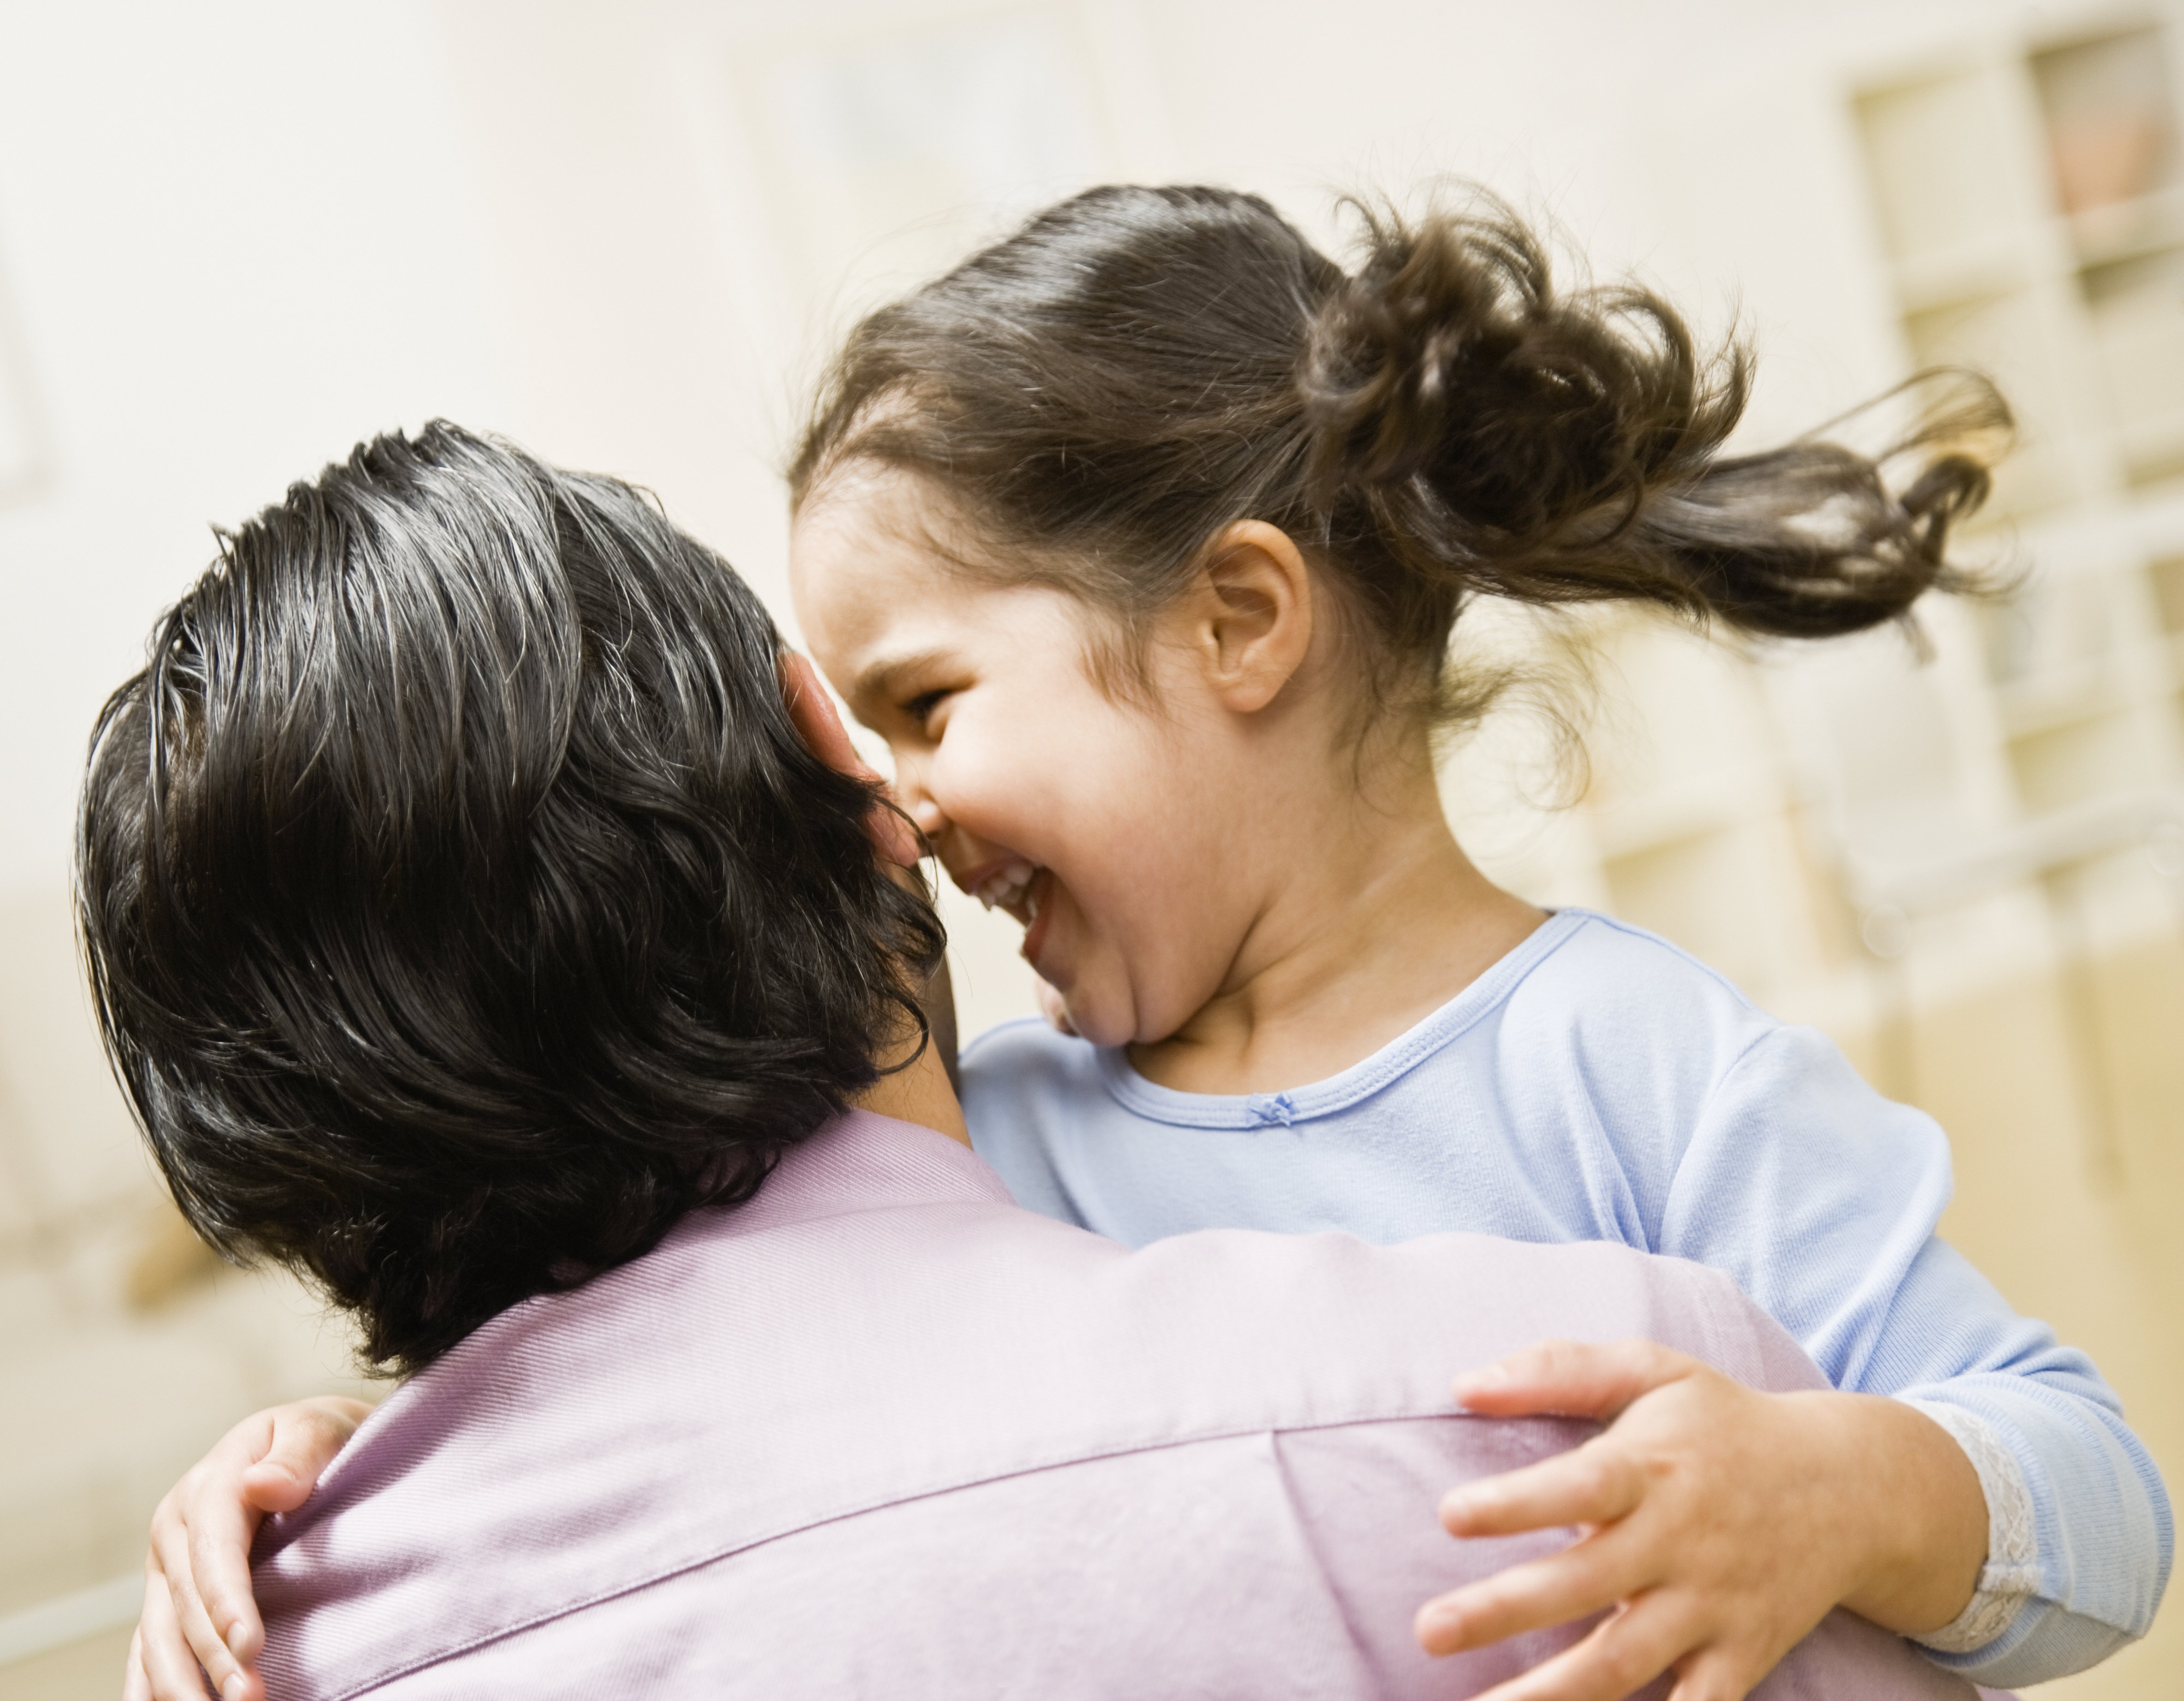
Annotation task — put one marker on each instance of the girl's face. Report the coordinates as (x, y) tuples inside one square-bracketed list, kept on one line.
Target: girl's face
[(1108, 829)]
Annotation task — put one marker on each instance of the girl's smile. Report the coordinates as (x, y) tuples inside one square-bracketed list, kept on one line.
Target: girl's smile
[(1040, 795), (1095, 817)]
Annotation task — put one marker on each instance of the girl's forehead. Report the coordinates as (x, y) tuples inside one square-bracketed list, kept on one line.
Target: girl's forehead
[(864, 508), (881, 569), (875, 611), (871, 552), (852, 576), (880, 627)]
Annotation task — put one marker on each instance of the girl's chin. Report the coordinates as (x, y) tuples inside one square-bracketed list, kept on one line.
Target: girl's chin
[(1103, 1021), (1117, 1034)]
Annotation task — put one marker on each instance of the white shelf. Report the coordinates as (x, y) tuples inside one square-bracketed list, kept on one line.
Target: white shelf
[(1777, 825)]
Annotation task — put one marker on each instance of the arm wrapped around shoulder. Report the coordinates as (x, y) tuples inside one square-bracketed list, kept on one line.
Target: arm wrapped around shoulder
[(1822, 1198)]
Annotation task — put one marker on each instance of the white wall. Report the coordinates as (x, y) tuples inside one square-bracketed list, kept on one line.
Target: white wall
[(234, 238)]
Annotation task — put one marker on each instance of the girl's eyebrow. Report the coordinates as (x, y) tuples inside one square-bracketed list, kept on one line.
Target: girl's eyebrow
[(881, 680)]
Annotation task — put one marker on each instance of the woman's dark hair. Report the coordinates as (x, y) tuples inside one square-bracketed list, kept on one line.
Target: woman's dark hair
[(461, 905), (1137, 368)]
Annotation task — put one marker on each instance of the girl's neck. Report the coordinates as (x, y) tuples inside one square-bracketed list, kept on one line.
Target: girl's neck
[(1369, 925)]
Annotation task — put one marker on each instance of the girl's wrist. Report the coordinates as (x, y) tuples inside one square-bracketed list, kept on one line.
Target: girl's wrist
[(1913, 1507)]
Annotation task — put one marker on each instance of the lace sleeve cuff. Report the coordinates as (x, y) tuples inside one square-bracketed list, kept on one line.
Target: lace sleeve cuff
[(2011, 1575)]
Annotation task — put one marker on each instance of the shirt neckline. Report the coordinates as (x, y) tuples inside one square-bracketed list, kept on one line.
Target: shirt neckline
[(861, 1160), (1362, 1080)]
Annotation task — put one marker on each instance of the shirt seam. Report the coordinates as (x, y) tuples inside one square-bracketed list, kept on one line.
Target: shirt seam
[(1658, 1234), (1632, 931), (713, 1556)]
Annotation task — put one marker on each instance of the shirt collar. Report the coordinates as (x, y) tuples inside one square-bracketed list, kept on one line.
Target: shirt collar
[(862, 1161)]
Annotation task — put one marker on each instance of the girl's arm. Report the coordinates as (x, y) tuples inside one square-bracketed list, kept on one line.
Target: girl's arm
[(1724, 1522), (1821, 1198), (199, 1618), (1973, 1486)]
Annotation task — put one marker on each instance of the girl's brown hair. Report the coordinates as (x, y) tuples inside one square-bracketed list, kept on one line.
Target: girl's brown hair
[(1135, 369)]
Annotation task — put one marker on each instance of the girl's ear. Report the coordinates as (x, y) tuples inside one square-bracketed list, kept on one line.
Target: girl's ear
[(825, 737), (1251, 613)]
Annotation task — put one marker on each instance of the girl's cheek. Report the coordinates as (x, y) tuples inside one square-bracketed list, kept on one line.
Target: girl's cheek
[(984, 788), (952, 781)]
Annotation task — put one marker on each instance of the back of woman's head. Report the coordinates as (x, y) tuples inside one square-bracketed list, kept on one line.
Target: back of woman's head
[(461, 905), (1102, 392)]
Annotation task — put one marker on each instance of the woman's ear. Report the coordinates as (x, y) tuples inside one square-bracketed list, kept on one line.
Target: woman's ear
[(825, 737), (1251, 614)]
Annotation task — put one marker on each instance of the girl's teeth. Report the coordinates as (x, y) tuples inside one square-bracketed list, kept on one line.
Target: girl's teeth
[(1006, 885)]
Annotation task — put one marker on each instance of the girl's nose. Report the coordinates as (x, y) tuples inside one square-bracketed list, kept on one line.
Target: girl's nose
[(927, 813), (915, 801)]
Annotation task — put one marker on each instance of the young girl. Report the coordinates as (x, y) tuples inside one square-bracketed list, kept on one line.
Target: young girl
[(1140, 537)]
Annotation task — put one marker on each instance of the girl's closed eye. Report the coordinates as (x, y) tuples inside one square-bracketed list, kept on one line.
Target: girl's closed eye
[(921, 710)]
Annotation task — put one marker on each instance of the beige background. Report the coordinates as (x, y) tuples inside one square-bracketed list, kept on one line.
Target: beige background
[(236, 238)]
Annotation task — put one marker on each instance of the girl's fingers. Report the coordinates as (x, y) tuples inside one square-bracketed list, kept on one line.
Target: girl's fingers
[(199, 1618), (1625, 1652), (269, 1465), (223, 1629), (1571, 1378), (1581, 1580), (135, 1685), (1597, 1483), (210, 1578), (191, 1526), (169, 1671), (304, 1440), (1715, 1674), (203, 1642), (1689, 1493)]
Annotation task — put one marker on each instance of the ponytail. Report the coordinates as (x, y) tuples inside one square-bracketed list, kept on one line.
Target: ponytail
[(1103, 391), (1506, 441)]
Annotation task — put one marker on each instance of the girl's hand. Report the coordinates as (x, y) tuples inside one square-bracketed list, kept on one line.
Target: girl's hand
[(1718, 1525), (199, 1616)]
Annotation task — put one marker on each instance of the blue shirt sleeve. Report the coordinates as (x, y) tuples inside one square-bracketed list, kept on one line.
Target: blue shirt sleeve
[(1821, 1197)]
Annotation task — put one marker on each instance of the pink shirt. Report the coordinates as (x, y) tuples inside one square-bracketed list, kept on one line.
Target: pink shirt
[(881, 1432)]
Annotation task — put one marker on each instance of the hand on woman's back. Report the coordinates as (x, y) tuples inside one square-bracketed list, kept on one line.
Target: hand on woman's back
[(199, 1617)]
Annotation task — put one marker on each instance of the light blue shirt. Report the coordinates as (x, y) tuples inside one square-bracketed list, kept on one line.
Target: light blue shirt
[(1599, 1084)]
